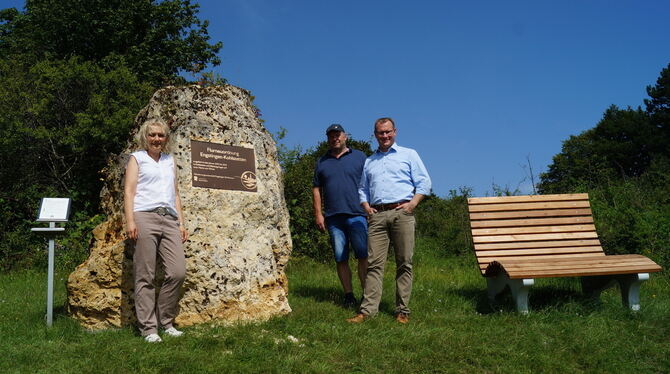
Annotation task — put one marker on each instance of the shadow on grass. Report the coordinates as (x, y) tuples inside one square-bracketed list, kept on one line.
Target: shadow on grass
[(40, 313), (540, 298), (60, 312), (318, 293), (332, 295)]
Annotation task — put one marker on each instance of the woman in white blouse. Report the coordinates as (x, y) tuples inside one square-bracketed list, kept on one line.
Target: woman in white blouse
[(154, 220)]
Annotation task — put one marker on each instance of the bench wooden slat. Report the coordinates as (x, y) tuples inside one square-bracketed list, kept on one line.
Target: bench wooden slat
[(530, 260), (568, 269), (485, 261), (538, 244), (530, 214), (577, 271), (528, 206), (583, 273), (571, 263), (534, 237), (530, 222), (533, 230), (543, 257), (539, 251), (510, 199)]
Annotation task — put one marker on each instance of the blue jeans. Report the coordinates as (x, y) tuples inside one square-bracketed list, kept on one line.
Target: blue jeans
[(346, 230)]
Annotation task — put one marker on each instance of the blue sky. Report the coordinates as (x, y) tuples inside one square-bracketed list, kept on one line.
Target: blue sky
[(475, 87)]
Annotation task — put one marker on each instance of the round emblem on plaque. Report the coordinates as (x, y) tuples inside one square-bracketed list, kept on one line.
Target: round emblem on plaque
[(248, 180)]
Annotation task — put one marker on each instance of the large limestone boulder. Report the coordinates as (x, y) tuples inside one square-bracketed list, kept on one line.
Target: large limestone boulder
[(239, 241)]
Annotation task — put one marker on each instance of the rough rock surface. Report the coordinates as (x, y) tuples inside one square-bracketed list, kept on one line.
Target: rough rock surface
[(239, 241)]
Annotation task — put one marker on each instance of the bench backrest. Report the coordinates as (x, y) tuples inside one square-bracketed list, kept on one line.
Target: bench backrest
[(537, 226)]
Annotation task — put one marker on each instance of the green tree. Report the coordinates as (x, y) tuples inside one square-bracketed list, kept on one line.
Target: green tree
[(73, 75), (658, 107), (74, 115), (623, 144), (155, 40), (56, 137)]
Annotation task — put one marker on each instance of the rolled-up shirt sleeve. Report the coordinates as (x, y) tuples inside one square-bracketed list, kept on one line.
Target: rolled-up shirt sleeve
[(420, 177)]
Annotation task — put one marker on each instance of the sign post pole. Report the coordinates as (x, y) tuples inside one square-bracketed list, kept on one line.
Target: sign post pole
[(52, 210), (50, 281)]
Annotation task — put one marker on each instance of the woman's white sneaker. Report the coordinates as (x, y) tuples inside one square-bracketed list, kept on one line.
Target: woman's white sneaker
[(153, 338), (174, 332)]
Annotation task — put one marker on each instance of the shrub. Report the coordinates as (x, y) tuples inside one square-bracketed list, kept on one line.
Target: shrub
[(633, 216), (445, 223)]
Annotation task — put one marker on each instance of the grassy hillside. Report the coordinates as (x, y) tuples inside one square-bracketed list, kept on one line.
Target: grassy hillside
[(452, 330)]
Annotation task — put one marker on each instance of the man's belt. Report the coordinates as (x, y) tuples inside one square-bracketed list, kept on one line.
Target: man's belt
[(390, 206), (163, 211)]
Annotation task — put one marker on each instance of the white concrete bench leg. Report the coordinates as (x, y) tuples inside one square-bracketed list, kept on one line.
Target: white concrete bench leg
[(628, 283), (630, 289), (519, 288)]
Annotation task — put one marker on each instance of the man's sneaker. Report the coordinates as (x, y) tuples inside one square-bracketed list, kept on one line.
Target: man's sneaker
[(349, 300), (402, 318), (153, 338), (358, 318), (174, 332)]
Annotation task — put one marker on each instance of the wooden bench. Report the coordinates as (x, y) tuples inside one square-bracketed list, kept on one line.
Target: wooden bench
[(520, 238)]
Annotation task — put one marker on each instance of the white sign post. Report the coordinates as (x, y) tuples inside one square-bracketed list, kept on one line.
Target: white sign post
[(52, 210)]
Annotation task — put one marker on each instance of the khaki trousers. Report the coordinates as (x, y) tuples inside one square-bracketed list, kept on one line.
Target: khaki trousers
[(384, 228), (158, 236)]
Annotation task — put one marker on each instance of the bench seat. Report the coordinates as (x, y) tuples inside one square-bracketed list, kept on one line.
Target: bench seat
[(531, 267)]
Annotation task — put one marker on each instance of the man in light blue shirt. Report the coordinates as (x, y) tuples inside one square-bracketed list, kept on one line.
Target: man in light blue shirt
[(393, 182)]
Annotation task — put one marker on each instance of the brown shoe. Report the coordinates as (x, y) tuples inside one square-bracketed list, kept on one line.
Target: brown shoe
[(358, 318), (402, 318)]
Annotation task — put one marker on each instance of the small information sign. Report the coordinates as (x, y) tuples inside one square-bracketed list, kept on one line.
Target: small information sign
[(223, 166), (54, 209)]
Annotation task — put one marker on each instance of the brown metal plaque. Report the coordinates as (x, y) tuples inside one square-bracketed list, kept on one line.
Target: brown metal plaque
[(223, 167)]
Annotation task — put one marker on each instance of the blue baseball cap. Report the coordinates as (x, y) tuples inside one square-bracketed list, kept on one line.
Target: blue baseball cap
[(334, 127)]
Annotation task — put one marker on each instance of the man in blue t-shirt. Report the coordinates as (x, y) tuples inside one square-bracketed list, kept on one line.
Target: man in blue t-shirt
[(336, 178)]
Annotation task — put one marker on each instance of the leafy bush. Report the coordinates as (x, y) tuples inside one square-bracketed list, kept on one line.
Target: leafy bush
[(18, 210), (445, 222), (633, 216)]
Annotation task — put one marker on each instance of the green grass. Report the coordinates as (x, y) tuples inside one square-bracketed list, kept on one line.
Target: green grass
[(452, 330)]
